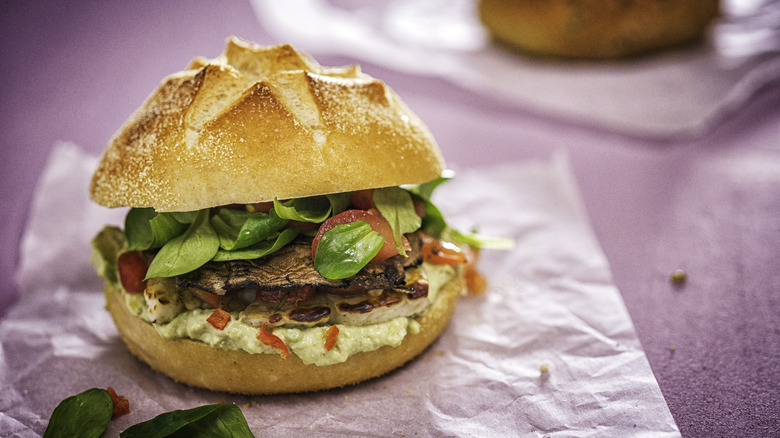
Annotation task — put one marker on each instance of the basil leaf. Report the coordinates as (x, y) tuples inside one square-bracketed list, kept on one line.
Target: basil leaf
[(433, 223), (218, 420), (397, 206), (312, 209), (346, 249), (425, 190), (146, 229), (82, 415), (185, 217), (239, 229), (257, 250), (339, 202), (188, 251), (165, 228), (137, 229)]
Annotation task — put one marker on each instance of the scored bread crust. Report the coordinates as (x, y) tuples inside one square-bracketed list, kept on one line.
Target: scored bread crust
[(259, 123), (197, 364), (596, 29)]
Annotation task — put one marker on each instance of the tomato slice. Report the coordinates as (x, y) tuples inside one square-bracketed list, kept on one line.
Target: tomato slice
[(330, 337), (132, 270), (363, 199), (375, 220), (273, 341)]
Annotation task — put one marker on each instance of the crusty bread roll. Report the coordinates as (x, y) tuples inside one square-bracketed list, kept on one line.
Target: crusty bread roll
[(266, 122), (197, 364), (596, 29)]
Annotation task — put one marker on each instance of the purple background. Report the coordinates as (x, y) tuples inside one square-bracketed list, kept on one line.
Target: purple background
[(75, 71)]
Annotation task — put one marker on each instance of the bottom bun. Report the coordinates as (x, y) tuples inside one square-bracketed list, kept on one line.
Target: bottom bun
[(198, 364)]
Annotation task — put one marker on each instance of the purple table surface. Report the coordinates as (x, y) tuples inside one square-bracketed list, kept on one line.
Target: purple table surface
[(75, 71)]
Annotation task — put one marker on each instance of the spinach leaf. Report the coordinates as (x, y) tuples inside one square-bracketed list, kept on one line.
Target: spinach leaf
[(188, 251), (218, 420), (397, 207), (165, 228), (83, 415), (346, 249), (339, 202), (425, 190), (239, 229), (257, 250), (137, 229), (185, 217), (433, 223), (312, 209), (146, 229)]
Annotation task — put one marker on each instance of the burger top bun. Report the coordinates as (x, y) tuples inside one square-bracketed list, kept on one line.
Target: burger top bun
[(262, 122)]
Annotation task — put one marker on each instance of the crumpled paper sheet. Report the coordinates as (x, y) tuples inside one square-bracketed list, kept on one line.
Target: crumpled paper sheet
[(676, 93), (551, 302)]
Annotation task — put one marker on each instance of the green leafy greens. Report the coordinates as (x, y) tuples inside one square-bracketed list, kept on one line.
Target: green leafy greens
[(346, 249), (186, 252), (217, 420), (88, 414), (238, 229), (187, 240), (84, 415), (397, 206), (260, 249)]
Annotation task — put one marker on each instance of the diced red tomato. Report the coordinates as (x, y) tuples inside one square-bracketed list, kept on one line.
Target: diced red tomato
[(273, 341), (374, 220), (363, 199), (219, 319), (441, 252), (132, 270), (121, 405), (214, 300), (330, 337)]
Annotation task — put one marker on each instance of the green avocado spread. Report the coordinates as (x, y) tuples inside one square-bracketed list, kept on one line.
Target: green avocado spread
[(306, 343)]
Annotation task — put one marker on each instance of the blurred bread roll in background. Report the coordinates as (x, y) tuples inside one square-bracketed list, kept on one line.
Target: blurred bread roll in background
[(596, 29)]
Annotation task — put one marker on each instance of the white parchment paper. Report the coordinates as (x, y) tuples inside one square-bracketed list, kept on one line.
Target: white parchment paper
[(551, 303), (675, 93)]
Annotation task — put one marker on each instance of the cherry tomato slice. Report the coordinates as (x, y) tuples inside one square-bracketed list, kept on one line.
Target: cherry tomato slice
[(375, 220), (363, 199)]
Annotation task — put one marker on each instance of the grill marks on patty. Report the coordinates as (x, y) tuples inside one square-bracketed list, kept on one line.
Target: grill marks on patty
[(290, 291), (289, 273)]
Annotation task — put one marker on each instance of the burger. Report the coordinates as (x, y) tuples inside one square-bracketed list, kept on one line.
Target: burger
[(280, 235)]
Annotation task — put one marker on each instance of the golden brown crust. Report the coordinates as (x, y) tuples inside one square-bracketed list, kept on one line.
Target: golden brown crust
[(258, 123), (596, 29), (197, 364)]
